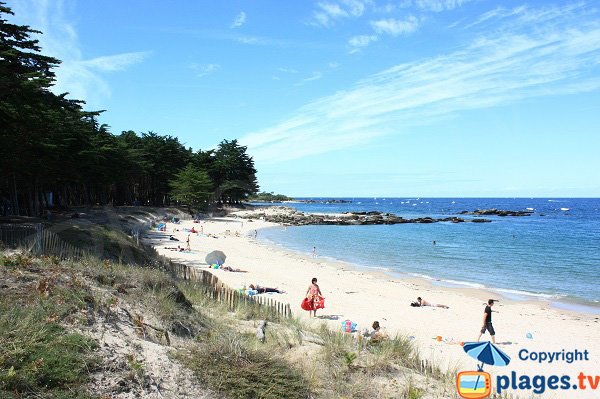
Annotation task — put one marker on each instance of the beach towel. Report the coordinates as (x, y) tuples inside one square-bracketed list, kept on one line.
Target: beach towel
[(317, 303)]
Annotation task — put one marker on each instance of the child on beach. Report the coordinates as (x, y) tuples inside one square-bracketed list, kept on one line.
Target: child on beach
[(487, 322)]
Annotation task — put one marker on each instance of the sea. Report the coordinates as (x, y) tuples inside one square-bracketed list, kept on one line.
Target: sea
[(552, 255)]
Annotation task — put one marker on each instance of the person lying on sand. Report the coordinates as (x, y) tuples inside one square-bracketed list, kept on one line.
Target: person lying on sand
[(262, 290), (423, 302), (232, 269)]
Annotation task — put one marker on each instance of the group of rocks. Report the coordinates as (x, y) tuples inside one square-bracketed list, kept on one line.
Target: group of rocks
[(496, 212), (296, 218)]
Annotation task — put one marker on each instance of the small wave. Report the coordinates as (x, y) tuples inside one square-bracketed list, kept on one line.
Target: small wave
[(449, 281), (565, 209), (527, 293), (530, 209)]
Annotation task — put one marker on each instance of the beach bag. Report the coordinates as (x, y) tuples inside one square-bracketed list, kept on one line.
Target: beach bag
[(348, 326)]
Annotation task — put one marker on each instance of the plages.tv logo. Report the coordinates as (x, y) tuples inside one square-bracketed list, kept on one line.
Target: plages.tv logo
[(478, 384), (474, 384)]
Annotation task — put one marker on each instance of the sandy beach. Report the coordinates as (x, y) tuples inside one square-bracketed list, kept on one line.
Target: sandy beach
[(364, 295)]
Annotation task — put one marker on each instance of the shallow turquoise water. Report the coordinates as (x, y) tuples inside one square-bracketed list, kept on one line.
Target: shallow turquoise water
[(554, 253)]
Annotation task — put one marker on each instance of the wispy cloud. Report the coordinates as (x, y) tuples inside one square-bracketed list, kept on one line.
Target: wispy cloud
[(239, 20), (559, 56), (287, 70), (328, 12), (81, 78), (362, 40), (202, 70), (315, 76), (116, 62), (439, 5), (396, 27)]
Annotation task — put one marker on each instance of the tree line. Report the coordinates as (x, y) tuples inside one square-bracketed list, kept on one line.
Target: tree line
[(53, 153)]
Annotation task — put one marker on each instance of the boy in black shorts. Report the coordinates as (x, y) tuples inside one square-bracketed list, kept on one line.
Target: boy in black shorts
[(487, 322)]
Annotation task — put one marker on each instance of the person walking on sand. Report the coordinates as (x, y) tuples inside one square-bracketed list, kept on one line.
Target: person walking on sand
[(188, 248), (314, 297), (314, 252), (487, 321)]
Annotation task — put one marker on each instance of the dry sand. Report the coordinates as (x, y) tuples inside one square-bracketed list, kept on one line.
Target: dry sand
[(363, 296)]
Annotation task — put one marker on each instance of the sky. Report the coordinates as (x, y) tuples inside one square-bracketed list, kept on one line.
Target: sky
[(349, 98)]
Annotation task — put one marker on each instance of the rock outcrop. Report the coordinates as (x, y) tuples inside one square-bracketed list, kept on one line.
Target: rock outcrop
[(296, 218), (496, 212)]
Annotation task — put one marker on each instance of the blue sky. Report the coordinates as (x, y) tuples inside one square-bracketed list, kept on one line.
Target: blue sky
[(349, 97)]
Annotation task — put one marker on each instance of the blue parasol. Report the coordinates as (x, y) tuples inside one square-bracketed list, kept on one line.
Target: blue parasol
[(487, 353), (215, 258)]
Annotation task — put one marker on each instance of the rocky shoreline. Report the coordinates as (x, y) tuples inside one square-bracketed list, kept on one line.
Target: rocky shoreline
[(291, 217)]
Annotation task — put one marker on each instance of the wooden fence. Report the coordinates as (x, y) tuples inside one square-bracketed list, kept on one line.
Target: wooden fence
[(219, 291), (39, 241)]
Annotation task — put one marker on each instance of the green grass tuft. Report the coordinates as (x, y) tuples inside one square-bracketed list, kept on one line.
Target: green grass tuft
[(37, 355)]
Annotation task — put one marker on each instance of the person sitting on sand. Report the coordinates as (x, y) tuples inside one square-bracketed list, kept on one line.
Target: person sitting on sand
[(263, 290), (378, 334), (423, 302)]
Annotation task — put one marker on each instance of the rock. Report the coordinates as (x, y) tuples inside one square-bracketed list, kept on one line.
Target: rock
[(497, 212), (176, 295), (260, 330)]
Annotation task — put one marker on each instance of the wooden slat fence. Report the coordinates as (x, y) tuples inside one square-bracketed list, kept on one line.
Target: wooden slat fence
[(39, 241), (219, 291)]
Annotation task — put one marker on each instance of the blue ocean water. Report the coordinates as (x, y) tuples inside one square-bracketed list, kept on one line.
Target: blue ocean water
[(554, 253)]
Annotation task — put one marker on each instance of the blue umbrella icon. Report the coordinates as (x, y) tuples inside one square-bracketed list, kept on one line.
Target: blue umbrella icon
[(487, 353)]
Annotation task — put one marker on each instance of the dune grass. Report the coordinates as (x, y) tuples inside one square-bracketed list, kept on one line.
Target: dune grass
[(220, 346), (38, 356)]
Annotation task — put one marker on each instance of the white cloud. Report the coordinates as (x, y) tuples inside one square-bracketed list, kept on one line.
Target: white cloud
[(328, 12), (333, 10), (315, 76), (202, 70), (81, 78), (116, 62), (362, 40), (287, 70), (239, 20), (558, 57), (396, 27), (355, 7), (439, 5)]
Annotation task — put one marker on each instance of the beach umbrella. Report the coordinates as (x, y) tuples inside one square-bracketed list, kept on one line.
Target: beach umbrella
[(487, 353), (215, 258)]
